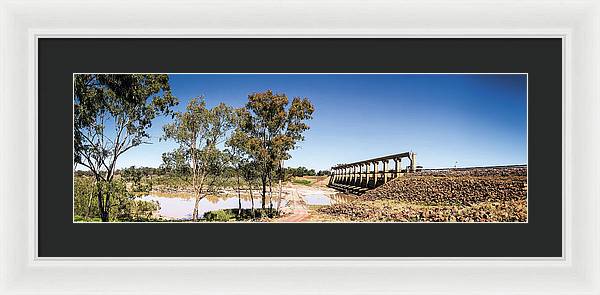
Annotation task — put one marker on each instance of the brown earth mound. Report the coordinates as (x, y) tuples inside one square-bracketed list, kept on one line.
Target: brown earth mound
[(509, 211), (455, 187), (480, 195)]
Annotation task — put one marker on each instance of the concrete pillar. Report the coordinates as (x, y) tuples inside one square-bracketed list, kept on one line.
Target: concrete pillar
[(360, 174), (331, 175), (385, 170), (349, 176), (413, 162), (398, 162), (353, 174), (367, 173), (346, 174), (375, 176)]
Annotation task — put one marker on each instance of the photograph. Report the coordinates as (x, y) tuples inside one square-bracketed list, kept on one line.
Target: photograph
[(300, 147)]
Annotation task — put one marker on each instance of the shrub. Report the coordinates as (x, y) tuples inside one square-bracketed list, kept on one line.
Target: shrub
[(125, 206), (302, 181), (219, 215), (232, 214)]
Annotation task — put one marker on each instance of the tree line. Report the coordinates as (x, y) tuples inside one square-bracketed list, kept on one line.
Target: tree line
[(114, 111)]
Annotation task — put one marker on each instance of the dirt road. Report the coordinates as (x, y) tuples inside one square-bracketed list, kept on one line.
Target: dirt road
[(295, 206)]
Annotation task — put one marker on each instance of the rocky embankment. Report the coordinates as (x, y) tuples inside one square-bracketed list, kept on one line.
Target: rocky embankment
[(478, 194)]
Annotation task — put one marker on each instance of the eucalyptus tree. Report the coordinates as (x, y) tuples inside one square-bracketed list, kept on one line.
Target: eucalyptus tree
[(238, 154), (176, 163), (273, 126), (198, 131), (133, 174), (111, 115), (250, 173)]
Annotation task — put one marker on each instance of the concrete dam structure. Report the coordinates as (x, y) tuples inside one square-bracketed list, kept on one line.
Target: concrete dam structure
[(359, 177)]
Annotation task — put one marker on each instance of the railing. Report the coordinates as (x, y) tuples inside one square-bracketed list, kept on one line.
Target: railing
[(363, 175)]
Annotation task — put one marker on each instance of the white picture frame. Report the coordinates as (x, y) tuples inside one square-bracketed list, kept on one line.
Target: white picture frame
[(576, 22)]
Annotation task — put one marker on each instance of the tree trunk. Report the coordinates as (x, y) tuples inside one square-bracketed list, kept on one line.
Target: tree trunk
[(195, 213), (107, 203), (89, 207), (271, 193), (264, 189), (281, 173), (251, 198), (194, 186), (239, 196), (279, 199), (101, 210), (198, 193)]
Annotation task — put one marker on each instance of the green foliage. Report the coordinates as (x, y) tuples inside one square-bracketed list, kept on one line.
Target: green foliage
[(85, 197), (126, 102), (111, 115), (273, 131), (125, 206), (270, 131), (246, 214), (134, 171), (301, 181), (323, 173), (78, 218), (219, 215), (249, 171), (79, 173), (135, 175), (299, 172), (176, 163), (198, 131), (170, 181)]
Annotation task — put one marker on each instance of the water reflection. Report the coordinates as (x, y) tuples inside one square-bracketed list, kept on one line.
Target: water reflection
[(182, 206)]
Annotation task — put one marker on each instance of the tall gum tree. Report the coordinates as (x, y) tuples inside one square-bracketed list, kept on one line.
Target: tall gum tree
[(198, 131), (237, 150), (111, 115), (273, 127)]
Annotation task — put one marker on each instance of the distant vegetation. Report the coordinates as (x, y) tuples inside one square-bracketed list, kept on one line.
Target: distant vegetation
[(302, 181), (303, 171)]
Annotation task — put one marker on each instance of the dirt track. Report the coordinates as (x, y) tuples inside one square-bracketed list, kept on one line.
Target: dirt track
[(295, 206)]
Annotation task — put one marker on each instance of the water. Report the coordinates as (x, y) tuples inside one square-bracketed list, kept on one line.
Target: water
[(318, 199), (181, 205), (177, 207), (325, 199)]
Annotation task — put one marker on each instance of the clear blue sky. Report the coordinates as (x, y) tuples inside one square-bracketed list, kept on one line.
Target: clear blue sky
[(475, 120)]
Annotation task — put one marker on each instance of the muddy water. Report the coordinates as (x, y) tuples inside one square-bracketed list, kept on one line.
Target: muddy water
[(181, 206), (325, 199)]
